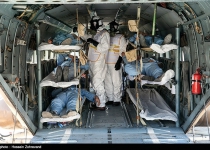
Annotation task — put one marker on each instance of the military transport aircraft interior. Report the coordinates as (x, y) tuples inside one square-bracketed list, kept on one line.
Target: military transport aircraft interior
[(110, 72)]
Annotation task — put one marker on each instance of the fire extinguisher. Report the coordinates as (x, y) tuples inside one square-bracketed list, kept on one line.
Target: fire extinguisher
[(196, 82)]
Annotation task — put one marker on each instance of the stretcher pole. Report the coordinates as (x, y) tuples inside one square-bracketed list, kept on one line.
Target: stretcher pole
[(177, 75), (39, 78), (75, 71), (132, 28), (154, 21), (137, 69), (79, 121)]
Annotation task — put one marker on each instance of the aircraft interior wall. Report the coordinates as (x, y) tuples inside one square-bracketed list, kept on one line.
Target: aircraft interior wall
[(19, 42)]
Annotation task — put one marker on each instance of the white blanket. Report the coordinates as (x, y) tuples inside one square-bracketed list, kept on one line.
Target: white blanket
[(46, 46), (165, 80), (154, 106), (51, 80), (163, 48), (60, 119), (77, 116)]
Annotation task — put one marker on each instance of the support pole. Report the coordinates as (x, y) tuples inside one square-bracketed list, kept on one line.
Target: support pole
[(137, 69), (168, 55), (154, 21), (1, 32), (0, 49), (26, 103), (39, 76), (177, 77)]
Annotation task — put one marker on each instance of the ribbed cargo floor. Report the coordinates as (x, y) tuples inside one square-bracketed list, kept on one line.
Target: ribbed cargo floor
[(115, 125)]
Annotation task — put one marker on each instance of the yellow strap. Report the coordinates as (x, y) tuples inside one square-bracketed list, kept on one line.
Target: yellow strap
[(114, 48), (83, 58), (147, 49), (92, 46)]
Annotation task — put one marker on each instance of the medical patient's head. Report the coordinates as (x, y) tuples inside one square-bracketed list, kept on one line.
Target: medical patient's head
[(50, 40)]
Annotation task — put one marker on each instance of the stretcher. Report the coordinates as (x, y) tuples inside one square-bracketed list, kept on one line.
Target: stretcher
[(153, 106), (160, 48), (68, 119), (51, 80), (163, 48), (166, 80), (58, 48)]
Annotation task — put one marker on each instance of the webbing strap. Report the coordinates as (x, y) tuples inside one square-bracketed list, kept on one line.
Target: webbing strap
[(114, 48), (188, 103), (185, 78)]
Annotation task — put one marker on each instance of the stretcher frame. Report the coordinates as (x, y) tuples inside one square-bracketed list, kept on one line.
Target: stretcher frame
[(75, 81), (68, 119), (142, 108)]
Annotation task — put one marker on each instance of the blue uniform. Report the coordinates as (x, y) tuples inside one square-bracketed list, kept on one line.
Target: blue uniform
[(157, 40), (148, 39), (61, 36), (149, 68), (58, 39), (68, 98), (70, 64), (130, 67)]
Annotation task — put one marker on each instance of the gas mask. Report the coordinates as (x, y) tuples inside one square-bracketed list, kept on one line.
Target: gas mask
[(113, 26), (95, 23)]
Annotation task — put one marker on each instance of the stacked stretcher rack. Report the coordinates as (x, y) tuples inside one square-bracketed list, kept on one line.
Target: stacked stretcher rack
[(51, 80)]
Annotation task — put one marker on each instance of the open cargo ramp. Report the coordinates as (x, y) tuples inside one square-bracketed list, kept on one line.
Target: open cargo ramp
[(15, 124), (115, 125)]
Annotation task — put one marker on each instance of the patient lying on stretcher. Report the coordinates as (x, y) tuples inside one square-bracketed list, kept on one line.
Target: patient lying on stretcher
[(65, 67), (67, 98), (151, 70), (63, 38), (65, 63)]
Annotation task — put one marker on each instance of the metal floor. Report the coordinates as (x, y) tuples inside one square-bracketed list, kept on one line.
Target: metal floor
[(114, 116), (115, 125)]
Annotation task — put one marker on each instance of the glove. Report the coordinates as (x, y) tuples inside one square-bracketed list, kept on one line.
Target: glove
[(118, 63), (90, 40), (124, 74)]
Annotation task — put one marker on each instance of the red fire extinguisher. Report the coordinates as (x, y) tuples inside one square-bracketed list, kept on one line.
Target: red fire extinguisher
[(196, 82)]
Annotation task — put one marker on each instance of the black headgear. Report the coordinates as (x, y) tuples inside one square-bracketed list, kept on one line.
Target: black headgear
[(75, 29), (95, 23), (113, 26)]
